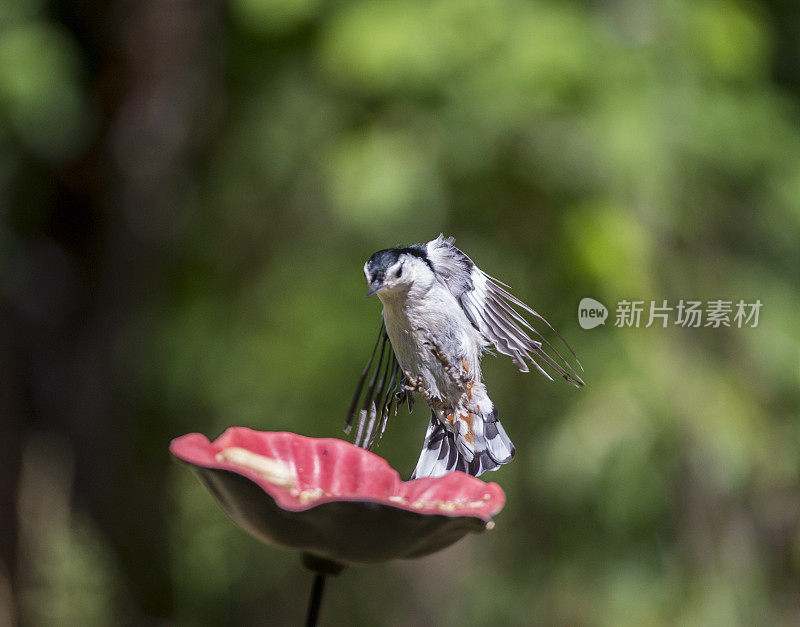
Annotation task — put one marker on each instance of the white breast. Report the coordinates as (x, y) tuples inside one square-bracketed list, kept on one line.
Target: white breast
[(436, 318)]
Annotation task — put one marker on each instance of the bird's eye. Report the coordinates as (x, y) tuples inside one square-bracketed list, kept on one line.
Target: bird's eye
[(399, 272)]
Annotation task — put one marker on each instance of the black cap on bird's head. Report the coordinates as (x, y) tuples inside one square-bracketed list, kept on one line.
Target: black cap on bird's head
[(384, 269)]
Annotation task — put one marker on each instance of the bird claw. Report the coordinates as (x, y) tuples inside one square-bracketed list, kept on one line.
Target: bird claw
[(410, 384)]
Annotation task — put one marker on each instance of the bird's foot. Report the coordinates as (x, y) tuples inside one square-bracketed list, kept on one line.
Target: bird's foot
[(438, 353), (410, 383)]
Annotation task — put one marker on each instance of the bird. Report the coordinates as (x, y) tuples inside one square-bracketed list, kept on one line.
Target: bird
[(441, 313)]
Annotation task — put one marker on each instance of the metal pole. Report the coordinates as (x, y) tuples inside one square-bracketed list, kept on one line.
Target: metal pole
[(315, 601)]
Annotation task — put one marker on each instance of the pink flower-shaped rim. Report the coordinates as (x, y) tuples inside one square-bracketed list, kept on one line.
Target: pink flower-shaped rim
[(333, 499)]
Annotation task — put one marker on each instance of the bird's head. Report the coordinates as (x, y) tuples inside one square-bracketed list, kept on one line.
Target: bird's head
[(396, 271)]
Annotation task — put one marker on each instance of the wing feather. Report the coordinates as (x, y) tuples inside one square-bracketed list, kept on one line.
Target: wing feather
[(495, 312), (378, 392)]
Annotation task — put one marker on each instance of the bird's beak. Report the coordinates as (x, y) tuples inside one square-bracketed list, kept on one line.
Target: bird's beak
[(374, 288)]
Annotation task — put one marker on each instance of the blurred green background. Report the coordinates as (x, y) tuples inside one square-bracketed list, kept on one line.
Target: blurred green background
[(188, 193)]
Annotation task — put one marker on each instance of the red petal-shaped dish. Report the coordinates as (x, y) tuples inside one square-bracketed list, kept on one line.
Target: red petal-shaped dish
[(333, 499)]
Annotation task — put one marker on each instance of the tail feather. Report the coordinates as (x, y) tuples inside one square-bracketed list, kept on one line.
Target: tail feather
[(445, 451), (498, 444)]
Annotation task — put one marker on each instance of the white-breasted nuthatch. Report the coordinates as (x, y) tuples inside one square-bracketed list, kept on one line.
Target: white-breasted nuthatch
[(440, 313)]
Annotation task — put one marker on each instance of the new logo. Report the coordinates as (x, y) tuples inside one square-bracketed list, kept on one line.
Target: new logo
[(591, 313)]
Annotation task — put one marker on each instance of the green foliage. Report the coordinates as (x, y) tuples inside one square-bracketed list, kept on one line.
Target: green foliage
[(41, 102), (618, 150)]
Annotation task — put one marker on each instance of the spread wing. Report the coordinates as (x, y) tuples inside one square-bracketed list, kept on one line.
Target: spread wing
[(494, 311), (378, 391)]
